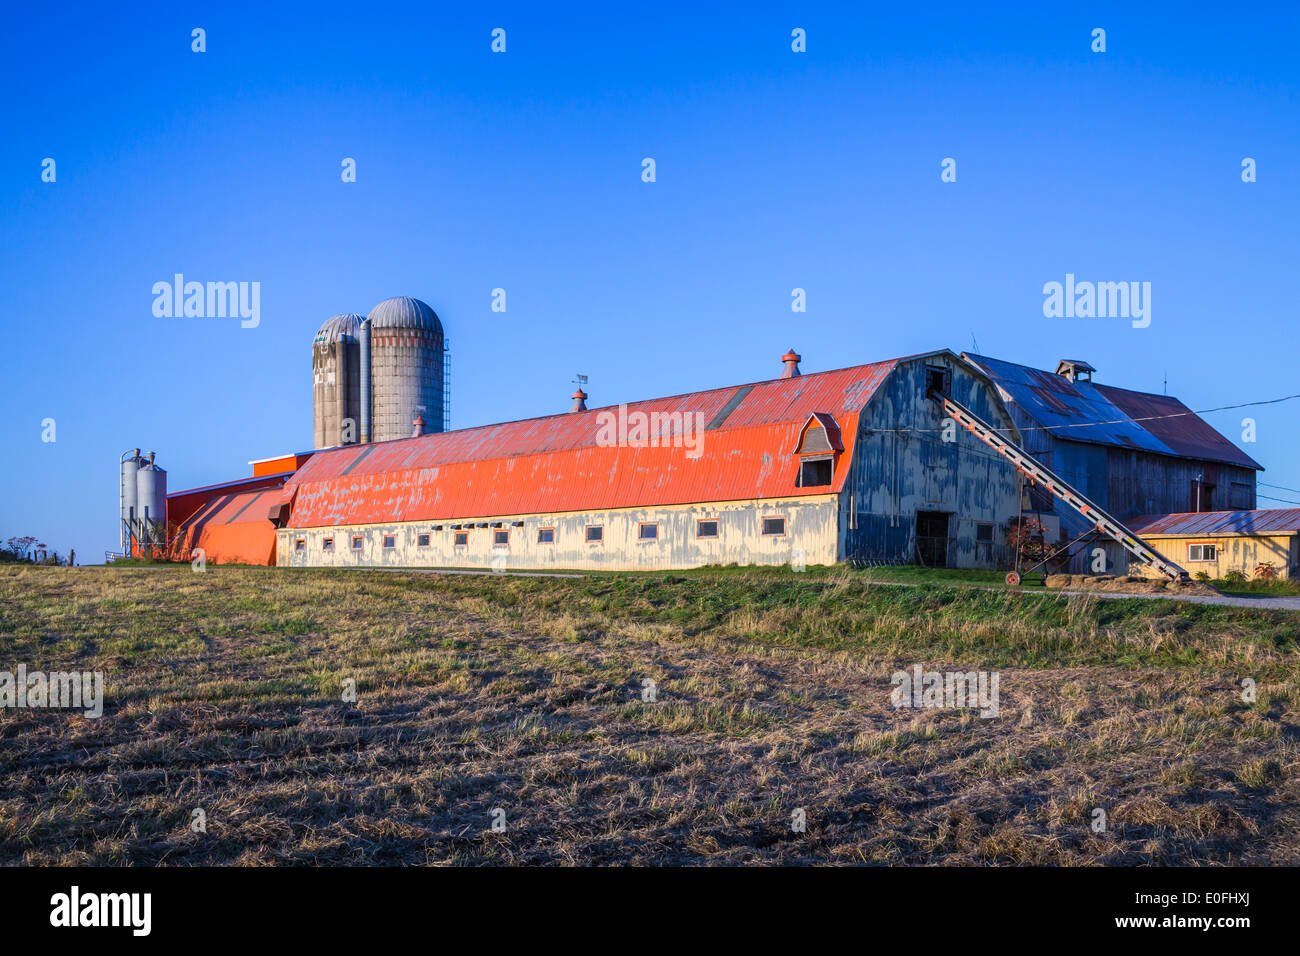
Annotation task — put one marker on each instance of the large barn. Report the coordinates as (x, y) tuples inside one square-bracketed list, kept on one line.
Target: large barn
[(808, 469)]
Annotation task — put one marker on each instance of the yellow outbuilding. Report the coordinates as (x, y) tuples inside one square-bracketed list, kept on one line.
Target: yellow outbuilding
[(1259, 544)]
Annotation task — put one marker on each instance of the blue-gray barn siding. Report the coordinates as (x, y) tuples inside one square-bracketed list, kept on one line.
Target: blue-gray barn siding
[(901, 466)]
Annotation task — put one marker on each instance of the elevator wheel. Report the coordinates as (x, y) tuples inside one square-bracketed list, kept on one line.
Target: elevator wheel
[(1013, 579)]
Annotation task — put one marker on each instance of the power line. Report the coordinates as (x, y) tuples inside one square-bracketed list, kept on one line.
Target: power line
[(1118, 421), (1271, 498), (1151, 418), (1279, 487)]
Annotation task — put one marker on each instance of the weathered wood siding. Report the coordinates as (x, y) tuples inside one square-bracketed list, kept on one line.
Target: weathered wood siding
[(902, 465)]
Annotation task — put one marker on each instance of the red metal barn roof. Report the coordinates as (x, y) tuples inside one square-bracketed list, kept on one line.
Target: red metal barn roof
[(1178, 426), (560, 463), (232, 529), (1268, 521), (182, 504)]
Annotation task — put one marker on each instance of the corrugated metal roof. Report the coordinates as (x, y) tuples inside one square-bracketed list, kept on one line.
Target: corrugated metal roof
[(1074, 411), (555, 464), (181, 505), (1105, 415), (1178, 426), (232, 529), (1269, 521)]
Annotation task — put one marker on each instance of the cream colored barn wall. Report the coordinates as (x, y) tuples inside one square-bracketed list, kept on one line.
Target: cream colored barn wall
[(811, 526)]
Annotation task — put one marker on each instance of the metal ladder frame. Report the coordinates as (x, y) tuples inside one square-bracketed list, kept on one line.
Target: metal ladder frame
[(1028, 466)]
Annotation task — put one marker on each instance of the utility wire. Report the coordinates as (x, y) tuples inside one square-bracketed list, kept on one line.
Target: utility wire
[(1279, 487), (1116, 421), (1271, 498)]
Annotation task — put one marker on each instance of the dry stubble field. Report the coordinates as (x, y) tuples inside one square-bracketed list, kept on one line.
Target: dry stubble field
[(524, 695)]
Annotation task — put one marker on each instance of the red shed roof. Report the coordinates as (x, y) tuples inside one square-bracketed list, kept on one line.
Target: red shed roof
[(1267, 521), (559, 463), (232, 529)]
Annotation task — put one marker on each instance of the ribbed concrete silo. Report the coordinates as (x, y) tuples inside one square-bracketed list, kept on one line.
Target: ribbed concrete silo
[(336, 381), (406, 356)]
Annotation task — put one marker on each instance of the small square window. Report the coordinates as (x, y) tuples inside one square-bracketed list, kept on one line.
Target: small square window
[(500, 538), (327, 544), (356, 542), (595, 532), (546, 536), (300, 544), (390, 541), (1202, 552), (422, 540), (648, 530), (462, 539), (773, 526), (984, 532), (706, 529)]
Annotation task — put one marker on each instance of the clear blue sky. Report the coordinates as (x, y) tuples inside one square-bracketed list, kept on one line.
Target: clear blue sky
[(523, 171)]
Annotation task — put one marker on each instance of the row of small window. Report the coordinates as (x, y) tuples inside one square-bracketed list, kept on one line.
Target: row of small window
[(704, 528), (646, 531)]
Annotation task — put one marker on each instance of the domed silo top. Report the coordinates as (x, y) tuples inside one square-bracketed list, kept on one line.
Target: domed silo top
[(404, 312), (340, 328)]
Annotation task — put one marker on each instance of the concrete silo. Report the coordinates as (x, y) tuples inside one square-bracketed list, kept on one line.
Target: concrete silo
[(402, 347), (336, 381)]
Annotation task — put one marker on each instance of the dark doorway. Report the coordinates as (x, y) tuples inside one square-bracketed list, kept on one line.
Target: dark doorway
[(932, 538)]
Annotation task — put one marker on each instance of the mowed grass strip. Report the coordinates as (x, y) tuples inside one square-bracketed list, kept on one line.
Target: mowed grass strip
[(523, 699)]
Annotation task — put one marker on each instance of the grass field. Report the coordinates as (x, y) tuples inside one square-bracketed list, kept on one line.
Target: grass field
[(524, 696)]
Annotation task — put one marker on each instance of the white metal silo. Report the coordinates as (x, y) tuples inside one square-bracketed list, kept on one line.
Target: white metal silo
[(130, 465), (151, 503)]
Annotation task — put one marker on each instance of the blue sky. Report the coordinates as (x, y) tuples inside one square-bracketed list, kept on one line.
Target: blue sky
[(522, 171)]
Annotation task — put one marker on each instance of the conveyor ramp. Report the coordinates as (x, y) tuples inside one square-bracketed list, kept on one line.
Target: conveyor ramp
[(1032, 469)]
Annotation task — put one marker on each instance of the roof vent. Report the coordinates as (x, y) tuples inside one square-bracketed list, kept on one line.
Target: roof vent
[(417, 426), (579, 401), (791, 360), (1075, 370)]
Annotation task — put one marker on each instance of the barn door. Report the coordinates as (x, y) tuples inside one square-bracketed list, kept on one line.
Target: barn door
[(932, 538)]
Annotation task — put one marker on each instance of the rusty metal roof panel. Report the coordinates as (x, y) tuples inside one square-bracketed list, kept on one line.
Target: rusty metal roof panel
[(1069, 410), (1189, 435), (564, 463), (1267, 521)]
